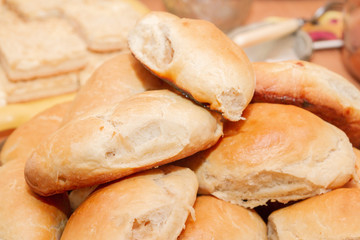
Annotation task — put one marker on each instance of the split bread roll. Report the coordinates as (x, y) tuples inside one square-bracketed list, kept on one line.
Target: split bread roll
[(153, 204), (279, 153), (25, 215), (334, 215), (196, 57), (315, 88), (116, 79), (23, 141), (216, 219), (143, 131)]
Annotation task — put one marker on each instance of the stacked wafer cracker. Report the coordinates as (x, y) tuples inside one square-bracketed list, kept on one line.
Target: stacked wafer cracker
[(50, 48), (176, 140)]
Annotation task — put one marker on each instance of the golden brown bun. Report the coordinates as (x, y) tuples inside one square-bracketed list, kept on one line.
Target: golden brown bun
[(355, 182), (151, 205), (143, 131), (280, 152), (334, 215), (22, 142), (116, 79), (23, 214), (314, 88), (216, 219), (196, 57)]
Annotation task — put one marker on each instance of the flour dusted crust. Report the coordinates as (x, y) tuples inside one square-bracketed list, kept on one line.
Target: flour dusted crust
[(143, 131), (153, 204), (334, 215), (314, 88), (216, 219), (279, 153), (197, 58), (24, 214)]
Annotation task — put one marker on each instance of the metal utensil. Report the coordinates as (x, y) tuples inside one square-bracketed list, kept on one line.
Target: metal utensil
[(246, 37)]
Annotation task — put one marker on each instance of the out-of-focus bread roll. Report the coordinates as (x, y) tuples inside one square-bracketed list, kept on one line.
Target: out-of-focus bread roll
[(314, 88), (333, 215), (216, 219), (279, 153), (150, 205), (22, 142), (116, 79), (36, 9), (25, 215), (143, 131), (197, 58)]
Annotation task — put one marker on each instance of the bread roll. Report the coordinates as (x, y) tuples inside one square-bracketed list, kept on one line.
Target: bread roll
[(334, 215), (314, 88), (25, 215), (196, 57), (216, 219), (355, 182), (279, 153), (23, 141), (143, 131), (151, 205), (116, 79)]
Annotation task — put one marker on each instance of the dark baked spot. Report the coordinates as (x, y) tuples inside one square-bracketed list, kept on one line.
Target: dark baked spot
[(299, 64)]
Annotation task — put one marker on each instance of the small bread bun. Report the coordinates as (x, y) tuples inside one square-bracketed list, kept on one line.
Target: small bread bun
[(23, 141), (143, 131), (116, 79), (334, 215), (25, 215), (315, 88), (150, 205), (196, 57), (216, 219), (279, 153)]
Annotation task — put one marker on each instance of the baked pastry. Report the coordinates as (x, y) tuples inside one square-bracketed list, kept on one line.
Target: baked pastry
[(116, 79), (104, 24), (333, 215), (315, 88), (24, 91), (355, 182), (39, 48), (216, 219), (279, 153), (107, 143), (150, 205), (25, 215), (197, 58), (22, 142)]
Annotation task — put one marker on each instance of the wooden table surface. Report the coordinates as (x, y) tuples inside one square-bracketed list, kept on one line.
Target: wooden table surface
[(329, 58)]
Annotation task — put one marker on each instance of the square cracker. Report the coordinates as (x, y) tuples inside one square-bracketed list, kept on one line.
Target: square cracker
[(36, 9), (104, 24), (39, 48), (22, 91)]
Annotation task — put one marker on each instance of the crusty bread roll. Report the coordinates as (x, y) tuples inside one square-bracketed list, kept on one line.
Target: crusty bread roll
[(116, 79), (355, 182), (151, 205), (279, 153), (216, 219), (25, 138), (314, 88), (334, 215), (196, 57), (143, 131), (25, 215)]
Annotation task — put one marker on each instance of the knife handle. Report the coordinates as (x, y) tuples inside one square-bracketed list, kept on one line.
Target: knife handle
[(266, 32)]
